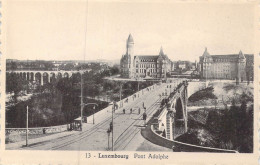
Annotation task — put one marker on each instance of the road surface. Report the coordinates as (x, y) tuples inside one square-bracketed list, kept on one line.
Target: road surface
[(127, 128)]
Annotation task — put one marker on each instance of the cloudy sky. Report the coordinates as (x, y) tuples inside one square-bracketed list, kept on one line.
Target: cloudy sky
[(55, 30)]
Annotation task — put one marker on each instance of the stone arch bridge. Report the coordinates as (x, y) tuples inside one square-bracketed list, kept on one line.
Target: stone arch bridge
[(172, 118), (43, 77)]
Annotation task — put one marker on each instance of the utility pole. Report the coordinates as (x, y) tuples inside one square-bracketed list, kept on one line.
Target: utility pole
[(27, 126), (93, 115), (113, 108), (81, 101), (121, 85)]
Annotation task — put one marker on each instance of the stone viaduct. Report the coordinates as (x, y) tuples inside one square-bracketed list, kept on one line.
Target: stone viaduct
[(43, 77), (172, 117)]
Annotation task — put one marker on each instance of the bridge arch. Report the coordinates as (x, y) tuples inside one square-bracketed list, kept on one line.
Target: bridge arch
[(59, 75), (66, 75), (179, 109), (46, 78), (24, 75), (52, 77), (38, 78), (32, 76), (28, 76)]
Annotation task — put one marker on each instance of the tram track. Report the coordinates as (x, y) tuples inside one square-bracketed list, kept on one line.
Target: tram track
[(92, 131), (74, 138), (126, 137)]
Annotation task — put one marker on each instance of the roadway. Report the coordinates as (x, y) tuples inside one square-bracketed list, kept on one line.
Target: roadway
[(127, 128)]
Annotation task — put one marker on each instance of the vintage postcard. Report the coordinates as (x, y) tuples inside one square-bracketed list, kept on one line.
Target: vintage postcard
[(120, 81)]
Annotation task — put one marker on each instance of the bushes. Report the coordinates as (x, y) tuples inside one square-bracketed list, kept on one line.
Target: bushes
[(203, 94)]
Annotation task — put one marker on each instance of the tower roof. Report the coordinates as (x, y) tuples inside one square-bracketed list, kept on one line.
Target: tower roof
[(206, 53), (130, 38), (161, 51), (241, 55)]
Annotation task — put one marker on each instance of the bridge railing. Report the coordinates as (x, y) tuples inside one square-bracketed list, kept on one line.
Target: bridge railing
[(178, 146), (126, 101)]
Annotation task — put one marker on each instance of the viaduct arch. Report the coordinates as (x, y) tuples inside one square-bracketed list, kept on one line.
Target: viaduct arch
[(43, 77)]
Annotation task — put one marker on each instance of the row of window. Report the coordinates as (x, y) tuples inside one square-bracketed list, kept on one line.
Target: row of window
[(145, 70), (147, 60), (145, 65)]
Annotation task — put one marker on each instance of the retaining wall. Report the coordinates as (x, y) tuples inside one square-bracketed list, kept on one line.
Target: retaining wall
[(38, 130)]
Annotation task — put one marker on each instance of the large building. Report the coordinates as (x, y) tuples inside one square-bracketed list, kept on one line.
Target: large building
[(143, 66), (233, 66)]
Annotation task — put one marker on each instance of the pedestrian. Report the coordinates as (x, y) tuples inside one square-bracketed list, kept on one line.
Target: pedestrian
[(44, 130), (143, 104), (131, 110), (124, 111), (139, 110), (144, 109), (144, 118)]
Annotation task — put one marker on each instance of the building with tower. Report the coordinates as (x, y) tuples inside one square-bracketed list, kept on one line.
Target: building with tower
[(143, 66), (232, 66)]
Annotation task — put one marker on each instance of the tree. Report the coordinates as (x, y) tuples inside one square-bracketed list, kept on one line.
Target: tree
[(48, 66), (69, 66), (13, 65), (15, 84)]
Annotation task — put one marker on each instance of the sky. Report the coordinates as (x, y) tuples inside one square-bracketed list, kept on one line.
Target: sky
[(90, 30)]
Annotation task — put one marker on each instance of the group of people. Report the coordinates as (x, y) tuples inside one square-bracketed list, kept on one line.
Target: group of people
[(139, 112)]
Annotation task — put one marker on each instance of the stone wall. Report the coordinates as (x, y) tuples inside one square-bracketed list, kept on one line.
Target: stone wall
[(38, 130)]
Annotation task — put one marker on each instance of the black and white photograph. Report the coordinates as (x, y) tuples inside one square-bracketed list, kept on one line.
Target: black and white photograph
[(116, 76)]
